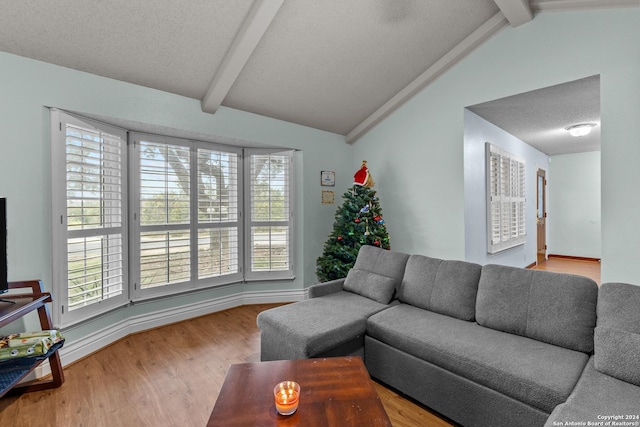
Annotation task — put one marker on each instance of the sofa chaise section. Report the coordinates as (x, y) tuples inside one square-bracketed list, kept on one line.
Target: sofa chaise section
[(319, 327), (333, 321)]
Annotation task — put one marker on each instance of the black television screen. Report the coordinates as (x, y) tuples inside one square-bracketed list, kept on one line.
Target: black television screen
[(3, 246)]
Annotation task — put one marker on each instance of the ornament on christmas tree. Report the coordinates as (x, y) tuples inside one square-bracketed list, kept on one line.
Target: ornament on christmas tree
[(360, 205)]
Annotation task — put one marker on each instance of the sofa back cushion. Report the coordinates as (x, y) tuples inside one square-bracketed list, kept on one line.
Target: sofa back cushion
[(377, 273), (617, 335), (555, 308), (444, 287)]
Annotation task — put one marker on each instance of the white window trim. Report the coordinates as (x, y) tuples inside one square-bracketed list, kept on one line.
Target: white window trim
[(62, 316), (269, 275), (516, 181)]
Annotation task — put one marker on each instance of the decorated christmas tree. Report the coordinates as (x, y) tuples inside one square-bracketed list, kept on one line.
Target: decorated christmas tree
[(358, 222)]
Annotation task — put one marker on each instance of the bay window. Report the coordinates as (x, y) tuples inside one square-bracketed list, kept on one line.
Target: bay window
[(141, 216)]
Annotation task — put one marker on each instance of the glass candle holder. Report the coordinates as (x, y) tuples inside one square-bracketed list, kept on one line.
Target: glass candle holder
[(287, 396)]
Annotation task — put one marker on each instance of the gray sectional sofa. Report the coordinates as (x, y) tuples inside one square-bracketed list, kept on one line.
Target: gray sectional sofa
[(482, 345)]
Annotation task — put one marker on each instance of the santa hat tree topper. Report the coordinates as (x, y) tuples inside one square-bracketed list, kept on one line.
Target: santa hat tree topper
[(357, 222), (363, 177)]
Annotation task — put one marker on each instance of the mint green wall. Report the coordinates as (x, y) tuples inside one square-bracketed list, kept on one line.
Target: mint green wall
[(574, 205), (28, 86), (416, 154)]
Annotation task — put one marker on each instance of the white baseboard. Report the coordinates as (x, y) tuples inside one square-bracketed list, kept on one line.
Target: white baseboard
[(83, 347)]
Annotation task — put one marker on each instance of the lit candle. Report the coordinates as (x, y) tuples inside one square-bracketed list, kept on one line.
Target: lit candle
[(287, 396)]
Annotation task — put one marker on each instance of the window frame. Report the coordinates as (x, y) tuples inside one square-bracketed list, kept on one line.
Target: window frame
[(62, 316)]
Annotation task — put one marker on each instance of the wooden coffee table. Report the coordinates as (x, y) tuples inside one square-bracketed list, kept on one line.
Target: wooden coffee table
[(334, 391)]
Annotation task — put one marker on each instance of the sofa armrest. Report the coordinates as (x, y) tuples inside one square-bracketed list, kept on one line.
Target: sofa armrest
[(326, 288)]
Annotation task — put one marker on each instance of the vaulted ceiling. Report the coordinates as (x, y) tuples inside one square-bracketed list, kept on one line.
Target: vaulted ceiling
[(336, 65)]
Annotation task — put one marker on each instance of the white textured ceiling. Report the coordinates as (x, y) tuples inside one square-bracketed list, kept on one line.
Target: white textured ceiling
[(335, 65), (174, 46), (540, 117)]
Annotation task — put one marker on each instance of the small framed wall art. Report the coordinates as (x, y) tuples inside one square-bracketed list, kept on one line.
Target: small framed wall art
[(327, 178), (328, 197)]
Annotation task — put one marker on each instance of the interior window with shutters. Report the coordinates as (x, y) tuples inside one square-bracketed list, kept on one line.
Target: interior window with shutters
[(506, 201), (269, 176), (89, 217)]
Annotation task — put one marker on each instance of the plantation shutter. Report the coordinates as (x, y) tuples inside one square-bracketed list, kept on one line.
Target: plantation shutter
[(270, 220), (186, 215), (506, 201), (89, 215), (218, 211), (165, 210)]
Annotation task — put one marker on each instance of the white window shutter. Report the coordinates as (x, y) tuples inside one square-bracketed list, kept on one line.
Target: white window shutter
[(218, 211), (165, 213), (187, 227), (506, 200), (270, 222), (90, 224)]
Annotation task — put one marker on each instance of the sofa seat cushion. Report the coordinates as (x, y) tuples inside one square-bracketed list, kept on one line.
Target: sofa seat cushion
[(316, 325), (598, 395), (539, 374)]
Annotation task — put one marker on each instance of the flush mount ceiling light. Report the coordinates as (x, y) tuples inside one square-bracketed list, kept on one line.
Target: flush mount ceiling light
[(580, 130)]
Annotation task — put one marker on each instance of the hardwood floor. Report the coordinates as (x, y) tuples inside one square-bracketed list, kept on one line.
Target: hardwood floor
[(582, 267), (170, 376)]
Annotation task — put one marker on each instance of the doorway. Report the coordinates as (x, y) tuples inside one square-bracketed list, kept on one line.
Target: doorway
[(541, 215), (539, 119)]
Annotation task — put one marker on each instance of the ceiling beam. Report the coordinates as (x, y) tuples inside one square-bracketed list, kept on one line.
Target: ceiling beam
[(517, 12), (468, 45), (564, 5), (250, 34)]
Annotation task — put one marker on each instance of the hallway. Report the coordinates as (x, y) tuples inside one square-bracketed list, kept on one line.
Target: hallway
[(583, 267)]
